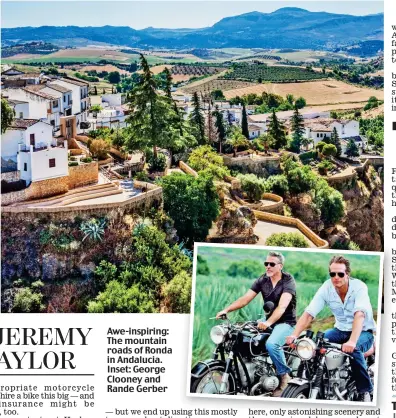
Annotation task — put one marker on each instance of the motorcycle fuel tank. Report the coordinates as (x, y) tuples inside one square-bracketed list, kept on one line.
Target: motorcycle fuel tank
[(251, 345), (334, 360)]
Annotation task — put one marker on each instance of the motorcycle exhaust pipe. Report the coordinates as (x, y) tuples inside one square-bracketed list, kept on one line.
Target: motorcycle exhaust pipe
[(340, 395)]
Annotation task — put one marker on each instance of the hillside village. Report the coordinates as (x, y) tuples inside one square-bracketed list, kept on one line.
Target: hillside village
[(88, 176)]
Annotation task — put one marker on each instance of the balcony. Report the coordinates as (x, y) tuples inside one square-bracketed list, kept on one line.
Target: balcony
[(42, 146)]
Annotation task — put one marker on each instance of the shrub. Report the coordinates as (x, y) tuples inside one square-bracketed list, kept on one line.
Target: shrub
[(253, 186), (177, 293), (249, 269), (28, 301), (142, 176), (157, 163), (202, 266), (73, 163), (277, 184), (99, 148), (117, 297), (287, 239), (86, 160), (93, 229), (325, 166)]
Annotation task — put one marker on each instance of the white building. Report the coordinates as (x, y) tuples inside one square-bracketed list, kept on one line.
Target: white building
[(320, 128), (80, 98), (66, 97), (38, 156), (43, 106), (21, 108), (255, 131)]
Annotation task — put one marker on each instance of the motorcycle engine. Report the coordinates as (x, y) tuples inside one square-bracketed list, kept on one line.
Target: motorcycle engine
[(269, 383)]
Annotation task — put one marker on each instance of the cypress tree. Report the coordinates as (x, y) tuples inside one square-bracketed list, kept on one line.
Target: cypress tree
[(297, 125), (245, 126), (197, 120), (335, 140), (219, 124), (168, 83), (277, 131)]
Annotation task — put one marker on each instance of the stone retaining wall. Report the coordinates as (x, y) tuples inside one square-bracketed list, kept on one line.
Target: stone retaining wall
[(83, 174), (276, 207), (37, 190), (284, 220), (11, 176), (152, 197)]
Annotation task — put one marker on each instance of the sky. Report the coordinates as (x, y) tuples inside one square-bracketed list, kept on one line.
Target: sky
[(158, 14)]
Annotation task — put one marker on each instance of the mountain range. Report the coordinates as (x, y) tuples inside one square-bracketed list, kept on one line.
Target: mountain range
[(288, 27)]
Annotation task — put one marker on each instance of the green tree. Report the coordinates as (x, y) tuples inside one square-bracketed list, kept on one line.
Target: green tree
[(237, 139), (99, 148), (329, 150), (197, 120), (205, 158), (168, 83), (7, 115), (290, 99), (193, 204), (277, 131), (297, 127), (277, 184), (114, 77), (320, 145), (28, 301), (335, 140), (244, 123), (245, 269), (352, 149), (217, 95), (300, 103), (221, 129), (152, 120), (265, 141), (202, 266)]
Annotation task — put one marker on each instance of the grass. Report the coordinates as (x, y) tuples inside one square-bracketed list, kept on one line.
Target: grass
[(218, 290)]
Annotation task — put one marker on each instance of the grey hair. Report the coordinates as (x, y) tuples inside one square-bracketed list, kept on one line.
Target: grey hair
[(279, 256)]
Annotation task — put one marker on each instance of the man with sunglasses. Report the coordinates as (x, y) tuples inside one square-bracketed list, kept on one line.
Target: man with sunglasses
[(349, 302), (278, 287)]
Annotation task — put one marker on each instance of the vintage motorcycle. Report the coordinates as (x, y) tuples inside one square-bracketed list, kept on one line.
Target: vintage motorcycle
[(240, 361), (325, 371)]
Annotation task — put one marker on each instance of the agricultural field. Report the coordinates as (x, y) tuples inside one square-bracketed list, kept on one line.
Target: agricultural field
[(314, 92), (276, 74), (215, 291), (108, 67)]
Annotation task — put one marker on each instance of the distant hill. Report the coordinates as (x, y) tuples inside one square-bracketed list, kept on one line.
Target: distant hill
[(288, 27)]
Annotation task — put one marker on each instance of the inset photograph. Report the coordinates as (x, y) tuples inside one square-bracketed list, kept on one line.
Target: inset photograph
[(296, 324)]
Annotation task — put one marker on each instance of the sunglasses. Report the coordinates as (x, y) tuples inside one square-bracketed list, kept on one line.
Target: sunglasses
[(267, 263), (333, 274)]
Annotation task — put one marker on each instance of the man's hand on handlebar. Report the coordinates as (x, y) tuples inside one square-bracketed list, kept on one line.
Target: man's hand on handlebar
[(222, 314), (290, 339), (263, 325)]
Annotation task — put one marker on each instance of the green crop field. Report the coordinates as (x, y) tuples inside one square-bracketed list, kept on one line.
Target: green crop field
[(218, 289), (275, 74)]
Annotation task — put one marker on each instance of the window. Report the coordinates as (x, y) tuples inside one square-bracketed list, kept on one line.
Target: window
[(20, 115), (24, 166), (51, 162), (55, 103), (52, 122), (32, 140)]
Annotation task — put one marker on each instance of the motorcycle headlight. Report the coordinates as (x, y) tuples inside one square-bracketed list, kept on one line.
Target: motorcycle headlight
[(218, 334), (306, 349)]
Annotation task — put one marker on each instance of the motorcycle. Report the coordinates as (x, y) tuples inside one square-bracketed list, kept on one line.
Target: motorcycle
[(240, 363), (325, 370)]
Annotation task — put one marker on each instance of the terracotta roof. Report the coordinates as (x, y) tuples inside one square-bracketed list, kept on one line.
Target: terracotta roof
[(254, 128), (58, 87), (317, 127), (23, 123), (21, 76), (15, 102), (40, 93), (75, 81)]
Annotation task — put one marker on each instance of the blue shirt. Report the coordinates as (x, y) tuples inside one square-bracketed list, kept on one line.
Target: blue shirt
[(356, 299)]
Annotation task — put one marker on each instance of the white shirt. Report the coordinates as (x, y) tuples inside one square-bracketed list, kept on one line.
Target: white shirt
[(356, 299)]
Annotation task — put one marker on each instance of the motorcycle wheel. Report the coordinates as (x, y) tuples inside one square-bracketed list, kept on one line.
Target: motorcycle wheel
[(296, 391), (210, 382)]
